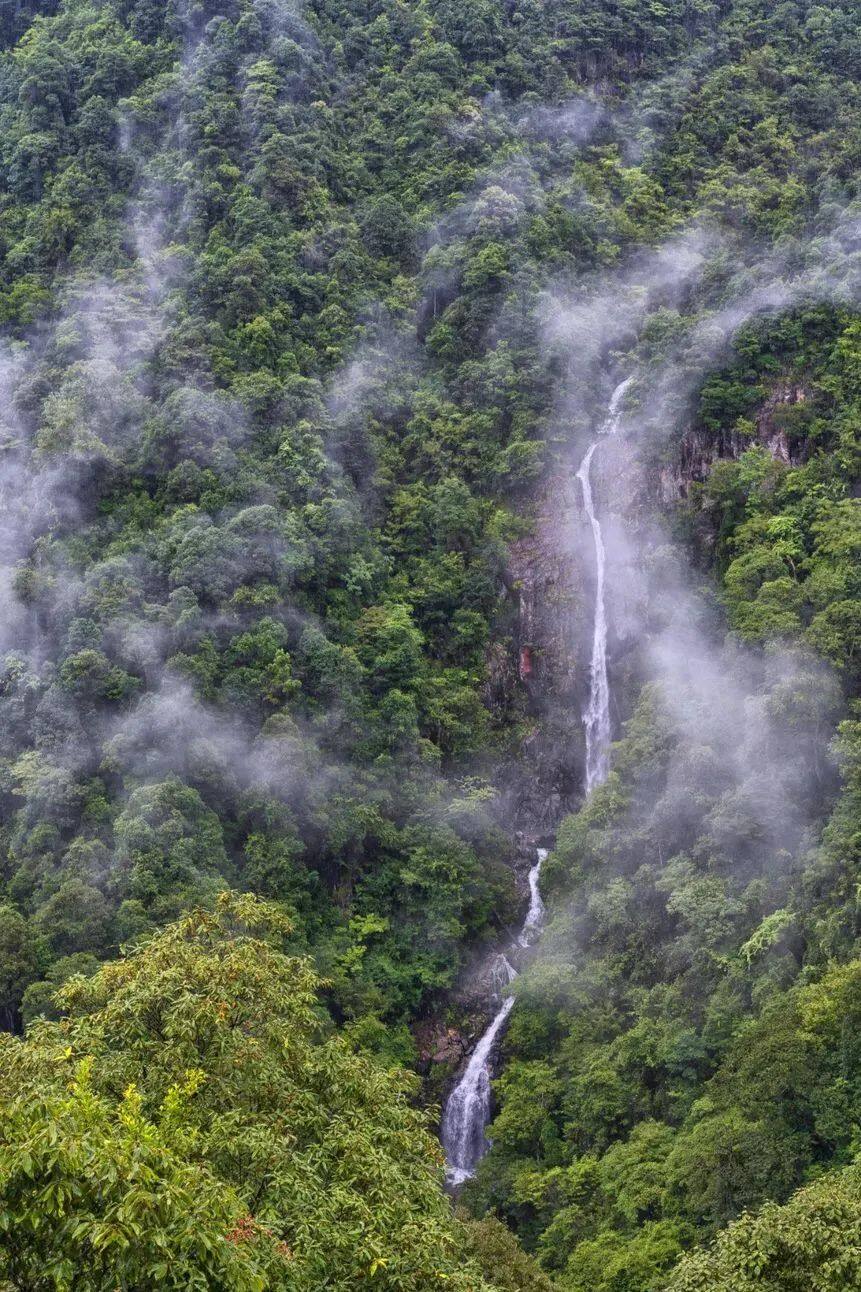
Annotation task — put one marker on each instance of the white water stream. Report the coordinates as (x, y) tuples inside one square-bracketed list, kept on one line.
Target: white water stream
[(535, 914), (596, 716), (467, 1109)]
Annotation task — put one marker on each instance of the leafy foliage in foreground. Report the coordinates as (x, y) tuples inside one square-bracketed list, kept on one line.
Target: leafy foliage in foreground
[(188, 1123)]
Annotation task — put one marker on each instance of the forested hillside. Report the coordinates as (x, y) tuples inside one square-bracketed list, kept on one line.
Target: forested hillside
[(309, 312)]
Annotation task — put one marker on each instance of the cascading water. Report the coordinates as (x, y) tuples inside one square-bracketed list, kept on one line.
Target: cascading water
[(596, 717), (503, 973), (467, 1109), (535, 914)]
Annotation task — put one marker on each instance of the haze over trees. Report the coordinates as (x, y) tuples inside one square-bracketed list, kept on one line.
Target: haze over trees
[(303, 307)]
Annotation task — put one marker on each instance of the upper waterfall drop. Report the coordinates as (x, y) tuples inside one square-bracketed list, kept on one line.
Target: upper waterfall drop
[(614, 408), (596, 716)]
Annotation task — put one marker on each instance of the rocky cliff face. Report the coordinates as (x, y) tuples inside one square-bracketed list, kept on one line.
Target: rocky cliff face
[(550, 589), (551, 581), (539, 678), (699, 449)]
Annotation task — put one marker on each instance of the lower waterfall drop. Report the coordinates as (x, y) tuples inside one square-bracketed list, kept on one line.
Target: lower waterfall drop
[(467, 1109)]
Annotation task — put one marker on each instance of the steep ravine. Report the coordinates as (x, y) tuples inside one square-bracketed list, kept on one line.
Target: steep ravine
[(467, 1108), (542, 677), (578, 660)]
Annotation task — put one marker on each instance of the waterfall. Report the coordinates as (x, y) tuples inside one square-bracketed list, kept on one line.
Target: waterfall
[(535, 914), (596, 716), (503, 973), (467, 1109)]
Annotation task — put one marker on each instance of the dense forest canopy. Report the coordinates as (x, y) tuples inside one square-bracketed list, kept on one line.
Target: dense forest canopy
[(304, 306)]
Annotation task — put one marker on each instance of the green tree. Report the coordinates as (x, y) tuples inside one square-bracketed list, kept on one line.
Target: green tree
[(189, 1119), (811, 1244), (17, 963)]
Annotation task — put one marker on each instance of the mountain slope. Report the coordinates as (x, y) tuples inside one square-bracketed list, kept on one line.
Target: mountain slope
[(308, 311)]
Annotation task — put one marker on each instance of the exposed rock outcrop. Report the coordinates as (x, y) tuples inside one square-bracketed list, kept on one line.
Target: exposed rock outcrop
[(700, 448)]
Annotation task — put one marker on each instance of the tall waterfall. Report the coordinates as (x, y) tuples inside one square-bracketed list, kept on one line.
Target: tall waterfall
[(467, 1109), (596, 717)]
